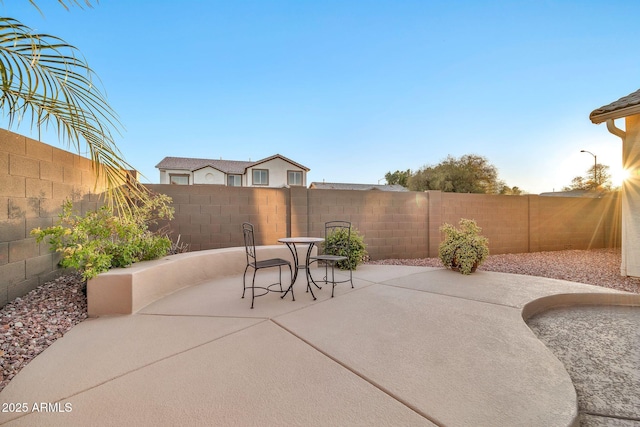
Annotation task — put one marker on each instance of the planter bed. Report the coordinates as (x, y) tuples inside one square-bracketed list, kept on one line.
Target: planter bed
[(127, 290)]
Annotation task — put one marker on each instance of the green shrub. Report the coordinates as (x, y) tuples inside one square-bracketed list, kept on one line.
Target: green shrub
[(100, 240), (335, 244), (463, 248)]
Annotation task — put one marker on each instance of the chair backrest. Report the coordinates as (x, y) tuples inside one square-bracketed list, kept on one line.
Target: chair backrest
[(249, 242), (339, 246)]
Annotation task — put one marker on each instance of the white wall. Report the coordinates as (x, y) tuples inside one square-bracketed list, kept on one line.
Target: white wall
[(278, 169), (209, 175), (164, 176)]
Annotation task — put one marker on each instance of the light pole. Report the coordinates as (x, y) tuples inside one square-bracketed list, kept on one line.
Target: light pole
[(595, 167)]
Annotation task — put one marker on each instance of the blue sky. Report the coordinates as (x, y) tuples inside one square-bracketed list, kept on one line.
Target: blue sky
[(354, 89)]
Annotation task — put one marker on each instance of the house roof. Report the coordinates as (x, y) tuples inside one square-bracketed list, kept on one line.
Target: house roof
[(226, 166), (623, 107), (346, 186), (576, 193)]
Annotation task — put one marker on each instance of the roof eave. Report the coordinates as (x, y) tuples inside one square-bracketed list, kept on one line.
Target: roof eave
[(616, 114)]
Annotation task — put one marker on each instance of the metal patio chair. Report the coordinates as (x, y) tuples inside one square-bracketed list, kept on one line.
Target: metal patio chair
[(252, 261), (334, 253)]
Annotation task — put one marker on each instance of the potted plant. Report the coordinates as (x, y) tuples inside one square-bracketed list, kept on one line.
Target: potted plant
[(463, 249)]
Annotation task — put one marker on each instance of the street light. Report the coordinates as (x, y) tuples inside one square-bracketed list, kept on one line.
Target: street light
[(595, 167)]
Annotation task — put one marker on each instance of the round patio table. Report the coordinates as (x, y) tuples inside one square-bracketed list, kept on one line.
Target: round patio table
[(291, 243)]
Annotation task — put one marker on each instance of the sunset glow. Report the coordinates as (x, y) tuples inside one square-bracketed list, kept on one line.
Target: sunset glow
[(618, 175)]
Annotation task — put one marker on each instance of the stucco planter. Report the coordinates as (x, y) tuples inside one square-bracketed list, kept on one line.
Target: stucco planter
[(127, 290)]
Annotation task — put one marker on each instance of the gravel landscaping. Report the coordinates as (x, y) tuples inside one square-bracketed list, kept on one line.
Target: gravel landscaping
[(28, 325), (600, 267)]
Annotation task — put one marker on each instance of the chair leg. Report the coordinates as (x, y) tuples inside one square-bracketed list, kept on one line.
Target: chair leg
[(333, 277), (253, 287), (351, 275), (244, 286)]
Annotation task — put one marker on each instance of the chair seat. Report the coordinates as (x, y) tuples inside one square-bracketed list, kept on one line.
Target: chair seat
[(273, 262), (330, 257)]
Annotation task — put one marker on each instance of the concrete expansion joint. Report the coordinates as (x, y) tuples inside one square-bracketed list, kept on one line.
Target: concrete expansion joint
[(408, 288), (203, 316), (359, 375)]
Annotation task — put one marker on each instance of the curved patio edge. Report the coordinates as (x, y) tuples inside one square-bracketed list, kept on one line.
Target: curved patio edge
[(127, 290), (550, 302)]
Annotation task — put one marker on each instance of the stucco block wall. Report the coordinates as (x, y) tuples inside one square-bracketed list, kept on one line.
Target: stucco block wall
[(395, 225), (210, 216), (504, 219), (577, 223), (533, 223), (35, 179)]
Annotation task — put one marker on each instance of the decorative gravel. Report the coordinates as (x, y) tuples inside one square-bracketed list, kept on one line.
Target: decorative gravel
[(600, 267), (28, 325)]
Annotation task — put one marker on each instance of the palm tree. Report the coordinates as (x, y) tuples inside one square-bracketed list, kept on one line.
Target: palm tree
[(46, 80)]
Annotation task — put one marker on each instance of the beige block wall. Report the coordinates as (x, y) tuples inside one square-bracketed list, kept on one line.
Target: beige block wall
[(395, 225), (35, 179), (211, 216), (504, 219), (516, 224)]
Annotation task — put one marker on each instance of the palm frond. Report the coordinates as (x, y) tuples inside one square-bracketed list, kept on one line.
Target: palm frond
[(67, 4), (47, 80)]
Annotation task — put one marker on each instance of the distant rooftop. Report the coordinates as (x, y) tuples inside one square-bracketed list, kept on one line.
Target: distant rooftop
[(576, 193), (346, 186), (227, 166), (623, 107)]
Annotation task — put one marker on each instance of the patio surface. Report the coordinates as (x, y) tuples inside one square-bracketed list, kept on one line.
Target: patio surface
[(409, 346)]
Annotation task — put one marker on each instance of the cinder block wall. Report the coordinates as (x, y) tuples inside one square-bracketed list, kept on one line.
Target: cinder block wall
[(516, 224), (578, 223), (35, 179), (504, 219), (395, 225), (210, 216)]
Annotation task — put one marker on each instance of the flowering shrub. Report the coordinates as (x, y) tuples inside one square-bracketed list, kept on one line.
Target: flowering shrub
[(100, 240), (463, 248)]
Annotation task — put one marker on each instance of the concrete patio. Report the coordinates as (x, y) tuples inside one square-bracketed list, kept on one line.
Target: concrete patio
[(407, 346)]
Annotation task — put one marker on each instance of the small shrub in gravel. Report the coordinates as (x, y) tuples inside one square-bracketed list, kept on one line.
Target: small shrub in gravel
[(463, 248)]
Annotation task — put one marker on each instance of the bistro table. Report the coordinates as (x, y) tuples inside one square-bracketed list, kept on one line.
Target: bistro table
[(291, 243)]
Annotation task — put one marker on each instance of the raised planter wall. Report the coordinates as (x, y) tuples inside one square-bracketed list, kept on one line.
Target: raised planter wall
[(127, 290)]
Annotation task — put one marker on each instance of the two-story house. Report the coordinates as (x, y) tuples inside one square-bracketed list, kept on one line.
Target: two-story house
[(274, 171)]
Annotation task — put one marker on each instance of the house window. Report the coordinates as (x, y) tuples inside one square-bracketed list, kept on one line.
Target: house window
[(234, 180), (260, 177), (179, 179), (294, 177)]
